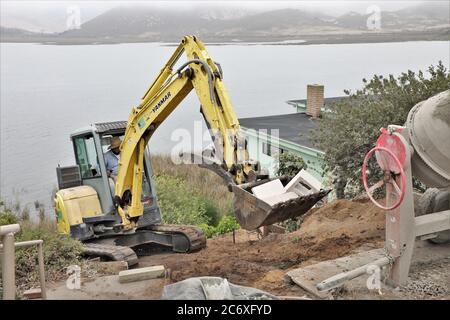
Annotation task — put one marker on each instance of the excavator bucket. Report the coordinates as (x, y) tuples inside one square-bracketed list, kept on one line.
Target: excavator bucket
[(253, 212), (268, 201)]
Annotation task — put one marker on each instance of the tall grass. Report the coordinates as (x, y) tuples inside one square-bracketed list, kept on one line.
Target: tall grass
[(203, 182)]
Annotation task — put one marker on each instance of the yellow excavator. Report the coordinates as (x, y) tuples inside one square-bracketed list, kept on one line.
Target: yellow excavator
[(119, 221)]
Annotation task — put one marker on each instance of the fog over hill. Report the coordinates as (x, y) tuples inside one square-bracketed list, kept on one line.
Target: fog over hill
[(139, 23)]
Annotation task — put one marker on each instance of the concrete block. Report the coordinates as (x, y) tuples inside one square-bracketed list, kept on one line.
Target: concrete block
[(34, 293), (142, 274), (302, 190), (306, 178), (272, 200), (272, 188)]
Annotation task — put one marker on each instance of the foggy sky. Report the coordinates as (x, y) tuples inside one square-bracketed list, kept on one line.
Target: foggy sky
[(50, 15)]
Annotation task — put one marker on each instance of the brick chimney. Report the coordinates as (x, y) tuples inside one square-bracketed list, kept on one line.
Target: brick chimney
[(314, 99)]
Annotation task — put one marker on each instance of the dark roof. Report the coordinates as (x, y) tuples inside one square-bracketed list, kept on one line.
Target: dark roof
[(326, 100), (294, 127), (111, 127)]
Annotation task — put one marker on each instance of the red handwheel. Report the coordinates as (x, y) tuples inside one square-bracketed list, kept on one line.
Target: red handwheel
[(388, 178)]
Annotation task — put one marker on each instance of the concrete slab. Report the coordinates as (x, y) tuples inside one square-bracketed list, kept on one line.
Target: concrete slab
[(141, 274), (272, 200), (308, 277), (34, 293), (269, 189), (305, 177), (108, 288)]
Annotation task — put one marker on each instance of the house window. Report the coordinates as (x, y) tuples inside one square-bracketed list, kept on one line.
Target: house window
[(266, 148), (271, 150)]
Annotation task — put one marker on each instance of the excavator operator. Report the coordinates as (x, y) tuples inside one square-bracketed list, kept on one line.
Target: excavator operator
[(112, 158)]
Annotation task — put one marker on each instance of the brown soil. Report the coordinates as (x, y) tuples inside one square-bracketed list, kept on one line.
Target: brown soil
[(329, 232)]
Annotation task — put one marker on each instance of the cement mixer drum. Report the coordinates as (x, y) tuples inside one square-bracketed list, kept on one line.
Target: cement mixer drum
[(428, 126)]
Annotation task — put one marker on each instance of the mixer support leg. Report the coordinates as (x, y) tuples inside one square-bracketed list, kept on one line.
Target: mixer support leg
[(400, 230)]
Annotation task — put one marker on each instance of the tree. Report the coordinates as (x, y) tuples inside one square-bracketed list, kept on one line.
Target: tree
[(351, 126), (289, 164)]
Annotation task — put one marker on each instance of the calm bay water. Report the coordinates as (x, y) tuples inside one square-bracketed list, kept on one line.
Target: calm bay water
[(49, 91)]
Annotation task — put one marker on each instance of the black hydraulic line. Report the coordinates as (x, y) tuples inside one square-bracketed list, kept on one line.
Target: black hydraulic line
[(208, 71)]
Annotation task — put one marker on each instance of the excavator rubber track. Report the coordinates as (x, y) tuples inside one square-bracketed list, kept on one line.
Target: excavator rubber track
[(194, 235), (111, 252), (180, 238)]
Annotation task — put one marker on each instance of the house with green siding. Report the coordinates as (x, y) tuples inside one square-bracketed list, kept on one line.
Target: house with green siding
[(269, 136)]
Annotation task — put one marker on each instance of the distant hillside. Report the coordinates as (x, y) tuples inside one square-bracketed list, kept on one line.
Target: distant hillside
[(146, 24), (14, 32)]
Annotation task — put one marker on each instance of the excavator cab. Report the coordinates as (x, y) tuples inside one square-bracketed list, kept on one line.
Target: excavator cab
[(86, 190)]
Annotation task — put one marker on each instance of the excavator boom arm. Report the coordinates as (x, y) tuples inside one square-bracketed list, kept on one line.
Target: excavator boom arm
[(169, 88)]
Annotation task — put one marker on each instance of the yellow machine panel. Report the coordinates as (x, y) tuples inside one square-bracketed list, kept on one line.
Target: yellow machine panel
[(72, 204)]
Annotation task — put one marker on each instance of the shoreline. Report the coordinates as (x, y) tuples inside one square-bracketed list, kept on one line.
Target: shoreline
[(443, 35)]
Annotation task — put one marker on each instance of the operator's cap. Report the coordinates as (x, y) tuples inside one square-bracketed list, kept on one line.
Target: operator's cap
[(115, 143)]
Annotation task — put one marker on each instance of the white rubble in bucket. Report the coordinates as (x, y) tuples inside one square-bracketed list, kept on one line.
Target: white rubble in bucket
[(273, 192), (305, 178)]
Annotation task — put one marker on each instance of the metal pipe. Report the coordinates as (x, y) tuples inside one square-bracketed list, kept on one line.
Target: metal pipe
[(9, 228), (339, 279), (207, 70), (8, 267), (30, 243)]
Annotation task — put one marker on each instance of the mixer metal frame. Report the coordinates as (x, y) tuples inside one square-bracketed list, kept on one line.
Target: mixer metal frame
[(402, 227)]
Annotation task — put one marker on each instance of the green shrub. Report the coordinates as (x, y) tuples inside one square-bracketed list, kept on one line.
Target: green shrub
[(289, 164), (7, 217), (352, 125), (60, 251), (208, 230), (212, 212), (180, 204), (227, 224)]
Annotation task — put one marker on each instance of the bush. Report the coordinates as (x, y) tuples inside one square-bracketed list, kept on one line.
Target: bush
[(180, 204), (208, 230), (7, 217), (206, 184), (289, 164), (227, 224), (351, 127), (60, 251), (212, 212)]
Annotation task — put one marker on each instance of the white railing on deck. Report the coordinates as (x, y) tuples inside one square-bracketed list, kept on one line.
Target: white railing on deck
[(8, 246)]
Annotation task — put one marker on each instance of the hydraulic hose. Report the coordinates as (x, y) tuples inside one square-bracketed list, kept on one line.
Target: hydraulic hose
[(208, 71)]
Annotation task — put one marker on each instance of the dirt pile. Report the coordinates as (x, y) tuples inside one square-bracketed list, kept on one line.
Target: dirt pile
[(329, 232)]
